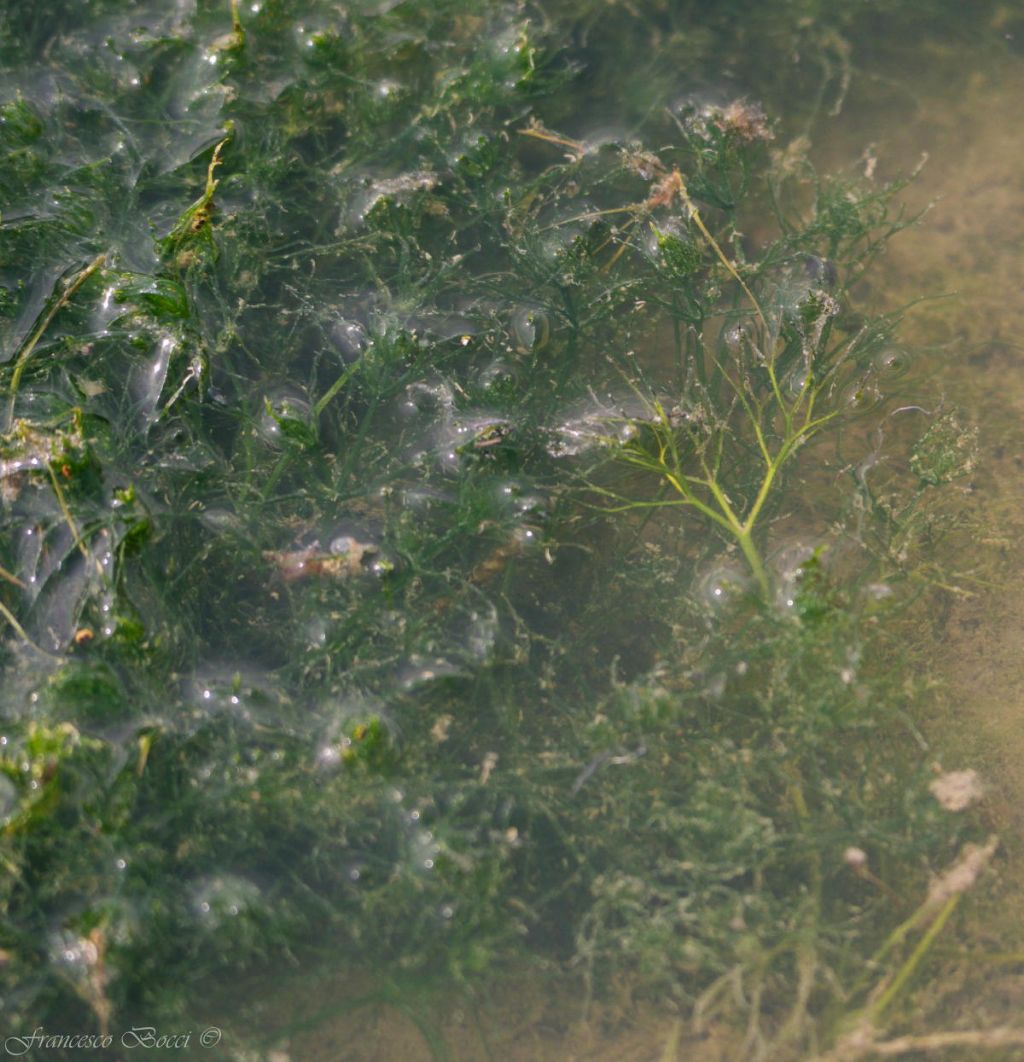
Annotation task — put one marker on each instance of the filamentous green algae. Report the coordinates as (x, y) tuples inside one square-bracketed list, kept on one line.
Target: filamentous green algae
[(448, 528)]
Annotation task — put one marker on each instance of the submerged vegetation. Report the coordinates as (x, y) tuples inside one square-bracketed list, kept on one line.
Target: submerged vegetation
[(445, 526)]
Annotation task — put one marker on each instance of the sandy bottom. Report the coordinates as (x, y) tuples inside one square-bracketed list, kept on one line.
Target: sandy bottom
[(971, 243)]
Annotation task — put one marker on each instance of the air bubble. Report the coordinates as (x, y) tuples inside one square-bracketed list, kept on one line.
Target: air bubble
[(723, 584), (735, 337), (862, 395), (284, 404), (531, 330), (350, 339), (893, 361), (223, 896), (789, 564)]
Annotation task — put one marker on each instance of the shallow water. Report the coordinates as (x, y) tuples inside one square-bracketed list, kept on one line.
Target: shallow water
[(969, 245), (368, 657)]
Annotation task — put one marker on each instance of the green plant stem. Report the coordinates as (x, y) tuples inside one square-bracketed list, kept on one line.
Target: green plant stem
[(15, 625), (335, 387), (26, 351), (72, 524), (236, 22), (913, 961), (723, 257), (753, 558)]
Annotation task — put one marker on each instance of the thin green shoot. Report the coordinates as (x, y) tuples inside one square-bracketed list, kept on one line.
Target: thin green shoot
[(23, 355)]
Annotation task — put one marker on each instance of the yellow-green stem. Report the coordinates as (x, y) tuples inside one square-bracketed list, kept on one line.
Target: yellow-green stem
[(754, 560), (915, 958), (21, 359)]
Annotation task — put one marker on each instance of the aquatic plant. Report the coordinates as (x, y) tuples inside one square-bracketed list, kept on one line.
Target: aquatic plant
[(338, 331), (776, 377)]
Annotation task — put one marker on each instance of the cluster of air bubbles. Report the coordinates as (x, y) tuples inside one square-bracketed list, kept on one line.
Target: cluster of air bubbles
[(219, 698), (799, 292), (107, 605), (598, 421), (25, 462), (443, 326), (520, 500), (309, 36), (460, 436), (345, 716), (220, 898), (423, 847), (426, 398), (561, 229), (493, 374), (506, 42), (740, 119), (370, 191), (216, 691), (40, 555), (789, 566)]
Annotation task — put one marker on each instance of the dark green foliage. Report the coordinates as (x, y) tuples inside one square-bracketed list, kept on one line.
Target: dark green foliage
[(314, 633)]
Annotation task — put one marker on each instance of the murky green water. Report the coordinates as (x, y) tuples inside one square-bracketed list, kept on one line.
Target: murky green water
[(489, 564)]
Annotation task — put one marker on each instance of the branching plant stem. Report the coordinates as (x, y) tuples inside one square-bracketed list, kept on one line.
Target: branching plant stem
[(793, 420), (663, 459)]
